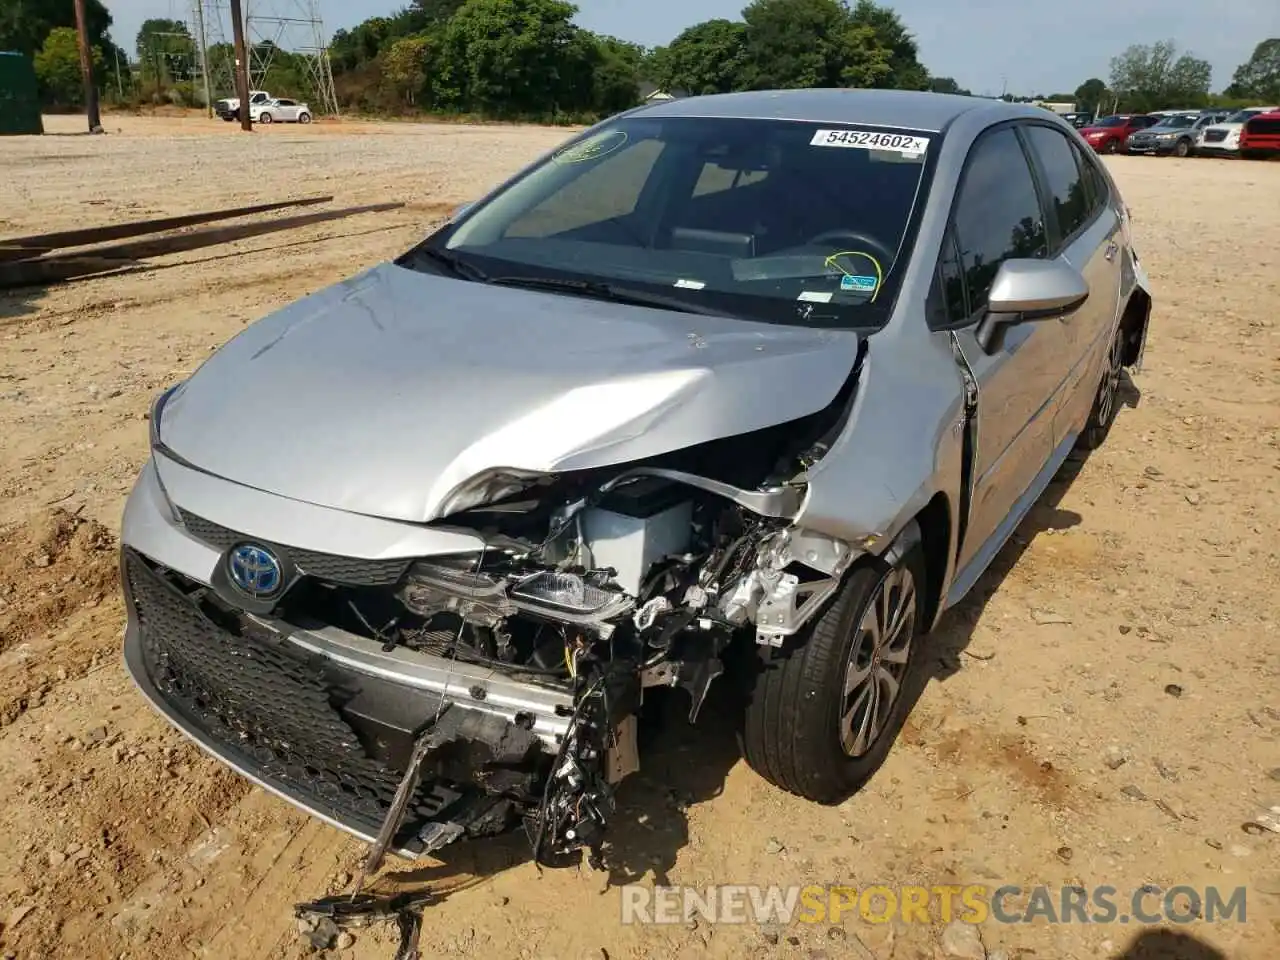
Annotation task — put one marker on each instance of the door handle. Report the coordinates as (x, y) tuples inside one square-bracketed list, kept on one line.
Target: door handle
[(1112, 249)]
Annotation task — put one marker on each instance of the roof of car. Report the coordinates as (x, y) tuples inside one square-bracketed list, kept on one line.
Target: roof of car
[(907, 109)]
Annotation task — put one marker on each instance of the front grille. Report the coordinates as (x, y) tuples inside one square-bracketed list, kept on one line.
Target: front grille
[(352, 571), (1215, 136), (270, 709)]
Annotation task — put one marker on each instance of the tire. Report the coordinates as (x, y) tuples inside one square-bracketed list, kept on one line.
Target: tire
[(1182, 148), (1111, 146), (1106, 402), (304, 117), (793, 734), (264, 117)]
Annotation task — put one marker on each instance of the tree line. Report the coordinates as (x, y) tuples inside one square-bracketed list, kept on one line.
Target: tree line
[(527, 59)]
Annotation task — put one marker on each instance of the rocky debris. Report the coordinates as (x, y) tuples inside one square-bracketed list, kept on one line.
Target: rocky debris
[(963, 941), (1116, 757), (1133, 792)]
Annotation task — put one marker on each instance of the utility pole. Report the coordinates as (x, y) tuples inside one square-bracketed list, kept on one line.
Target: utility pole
[(203, 47), (242, 65), (86, 69)]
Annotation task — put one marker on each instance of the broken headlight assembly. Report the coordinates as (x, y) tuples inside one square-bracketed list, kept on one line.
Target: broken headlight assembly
[(570, 597)]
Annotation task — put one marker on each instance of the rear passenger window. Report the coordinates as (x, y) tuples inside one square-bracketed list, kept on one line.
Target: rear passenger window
[(997, 215), (1067, 190)]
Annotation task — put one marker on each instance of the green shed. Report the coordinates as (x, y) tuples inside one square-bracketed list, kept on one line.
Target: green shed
[(19, 102)]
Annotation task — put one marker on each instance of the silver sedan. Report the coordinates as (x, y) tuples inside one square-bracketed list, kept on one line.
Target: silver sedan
[(751, 386)]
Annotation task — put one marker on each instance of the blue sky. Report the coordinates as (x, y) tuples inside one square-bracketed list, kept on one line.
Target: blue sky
[(1033, 45)]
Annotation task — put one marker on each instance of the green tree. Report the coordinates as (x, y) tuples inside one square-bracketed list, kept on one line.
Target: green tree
[(405, 64), (1091, 94), (905, 70), (1156, 77), (810, 43), (57, 66), (516, 57), (24, 24), (1259, 77), (706, 58), (947, 85), (615, 78), (166, 52)]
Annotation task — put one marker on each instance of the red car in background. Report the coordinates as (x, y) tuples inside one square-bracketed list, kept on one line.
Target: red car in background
[(1109, 134), (1261, 136)]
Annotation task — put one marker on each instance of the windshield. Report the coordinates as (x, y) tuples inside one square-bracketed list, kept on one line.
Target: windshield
[(784, 221), (1175, 123), (1240, 116), (1112, 122)]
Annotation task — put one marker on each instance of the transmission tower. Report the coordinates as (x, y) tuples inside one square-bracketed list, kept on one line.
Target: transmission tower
[(295, 27), (271, 27), (215, 61)]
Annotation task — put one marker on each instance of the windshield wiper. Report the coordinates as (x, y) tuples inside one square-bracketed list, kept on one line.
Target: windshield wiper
[(614, 294), (453, 263)]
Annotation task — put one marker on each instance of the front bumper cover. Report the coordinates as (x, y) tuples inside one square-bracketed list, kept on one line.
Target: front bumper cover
[(327, 739)]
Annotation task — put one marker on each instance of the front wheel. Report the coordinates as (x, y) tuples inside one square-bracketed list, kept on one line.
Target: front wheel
[(1183, 148), (304, 118), (264, 118), (822, 716)]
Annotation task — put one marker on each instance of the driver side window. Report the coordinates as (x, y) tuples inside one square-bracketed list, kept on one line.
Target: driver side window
[(996, 217)]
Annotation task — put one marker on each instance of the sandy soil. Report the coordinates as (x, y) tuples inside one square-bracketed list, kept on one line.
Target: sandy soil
[(1103, 710)]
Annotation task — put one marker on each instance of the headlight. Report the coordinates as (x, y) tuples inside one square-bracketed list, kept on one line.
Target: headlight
[(569, 596), (157, 411), (487, 488)]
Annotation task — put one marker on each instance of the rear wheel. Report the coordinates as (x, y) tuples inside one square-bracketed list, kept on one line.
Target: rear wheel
[(304, 117), (823, 716), (1106, 403), (1111, 146)]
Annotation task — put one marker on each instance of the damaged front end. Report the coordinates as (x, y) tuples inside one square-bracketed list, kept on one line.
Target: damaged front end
[(418, 701)]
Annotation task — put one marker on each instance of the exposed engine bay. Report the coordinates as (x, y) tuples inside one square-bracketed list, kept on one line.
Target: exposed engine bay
[(593, 588)]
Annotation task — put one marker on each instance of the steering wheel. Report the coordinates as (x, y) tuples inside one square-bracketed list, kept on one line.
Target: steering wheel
[(851, 241)]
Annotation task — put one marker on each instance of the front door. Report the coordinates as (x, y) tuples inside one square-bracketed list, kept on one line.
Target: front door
[(1086, 233), (998, 216)]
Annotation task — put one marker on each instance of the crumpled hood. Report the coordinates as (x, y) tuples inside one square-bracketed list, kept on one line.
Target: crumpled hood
[(383, 393)]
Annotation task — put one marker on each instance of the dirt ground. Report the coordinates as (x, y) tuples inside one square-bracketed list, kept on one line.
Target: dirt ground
[(1103, 709)]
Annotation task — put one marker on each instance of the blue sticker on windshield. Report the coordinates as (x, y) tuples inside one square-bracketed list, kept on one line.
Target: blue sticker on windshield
[(863, 284)]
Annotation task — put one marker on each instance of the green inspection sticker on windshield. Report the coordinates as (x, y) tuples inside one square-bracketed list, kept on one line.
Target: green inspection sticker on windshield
[(593, 148), (862, 284)]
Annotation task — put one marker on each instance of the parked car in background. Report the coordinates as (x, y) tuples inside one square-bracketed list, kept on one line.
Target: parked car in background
[(1078, 120), (571, 447), (1109, 134), (1223, 139), (1261, 136), (228, 107), (280, 111), (1174, 134)]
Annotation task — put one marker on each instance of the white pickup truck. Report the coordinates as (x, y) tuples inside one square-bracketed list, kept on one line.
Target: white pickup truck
[(229, 107)]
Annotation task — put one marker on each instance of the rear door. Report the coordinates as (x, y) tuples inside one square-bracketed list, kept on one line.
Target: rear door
[(1084, 230), (998, 216)]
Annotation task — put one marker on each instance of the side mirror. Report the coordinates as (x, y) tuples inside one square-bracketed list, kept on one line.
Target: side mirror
[(1030, 290), (460, 210)]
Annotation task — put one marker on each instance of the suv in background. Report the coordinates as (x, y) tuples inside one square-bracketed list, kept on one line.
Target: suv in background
[(1223, 139), (1174, 134), (1110, 134)]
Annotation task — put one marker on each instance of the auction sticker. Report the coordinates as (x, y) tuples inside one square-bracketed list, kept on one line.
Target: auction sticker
[(870, 140)]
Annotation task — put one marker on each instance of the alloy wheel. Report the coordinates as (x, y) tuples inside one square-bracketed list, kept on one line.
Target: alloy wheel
[(1110, 387), (878, 661)]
